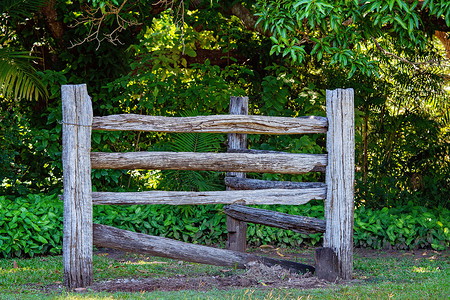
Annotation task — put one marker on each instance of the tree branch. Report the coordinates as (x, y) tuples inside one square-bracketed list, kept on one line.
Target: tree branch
[(96, 23)]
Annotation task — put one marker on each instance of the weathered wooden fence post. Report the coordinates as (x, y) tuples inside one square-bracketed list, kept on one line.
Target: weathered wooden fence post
[(237, 230), (339, 204), (77, 241)]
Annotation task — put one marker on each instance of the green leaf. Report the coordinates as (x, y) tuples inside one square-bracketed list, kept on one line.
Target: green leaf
[(319, 55), (20, 8), (41, 239), (190, 52), (391, 4), (403, 5), (400, 21), (97, 138), (273, 39)]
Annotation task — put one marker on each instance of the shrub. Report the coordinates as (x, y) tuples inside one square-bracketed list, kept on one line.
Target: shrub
[(203, 224), (407, 227), (33, 225)]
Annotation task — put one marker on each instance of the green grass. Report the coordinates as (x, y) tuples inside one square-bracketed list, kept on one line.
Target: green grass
[(400, 277)]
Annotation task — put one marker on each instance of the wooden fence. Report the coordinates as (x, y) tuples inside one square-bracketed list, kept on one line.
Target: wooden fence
[(80, 234)]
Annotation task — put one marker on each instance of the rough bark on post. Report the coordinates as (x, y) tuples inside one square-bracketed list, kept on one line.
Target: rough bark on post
[(339, 204), (237, 230), (77, 240)]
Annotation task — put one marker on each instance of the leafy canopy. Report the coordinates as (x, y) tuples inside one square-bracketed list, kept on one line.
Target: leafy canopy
[(342, 29), (339, 32)]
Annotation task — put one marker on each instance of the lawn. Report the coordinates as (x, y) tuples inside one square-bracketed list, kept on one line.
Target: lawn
[(420, 274)]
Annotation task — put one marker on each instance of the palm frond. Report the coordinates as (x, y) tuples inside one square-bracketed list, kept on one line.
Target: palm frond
[(20, 8), (18, 78)]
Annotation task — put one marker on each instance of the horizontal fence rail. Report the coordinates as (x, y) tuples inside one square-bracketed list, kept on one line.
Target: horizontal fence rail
[(269, 196), (257, 184), (200, 161), (213, 124), (110, 237), (306, 225)]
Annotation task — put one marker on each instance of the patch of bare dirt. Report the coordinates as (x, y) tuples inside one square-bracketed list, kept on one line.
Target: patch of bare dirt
[(256, 275)]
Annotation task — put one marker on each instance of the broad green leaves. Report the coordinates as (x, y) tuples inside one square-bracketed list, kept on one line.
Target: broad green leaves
[(33, 225), (30, 226), (409, 227)]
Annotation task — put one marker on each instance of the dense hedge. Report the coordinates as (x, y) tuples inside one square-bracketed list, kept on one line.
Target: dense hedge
[(407, 227), (33, 225)]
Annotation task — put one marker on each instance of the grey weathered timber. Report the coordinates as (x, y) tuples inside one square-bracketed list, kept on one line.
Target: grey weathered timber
[(257, 184), (256, 151), (339, 203), (237, 230), (77, 240), (213, 124), (110, 237), (270, 196), (295, 223), (327, 264), (237, 141), (237, 162)]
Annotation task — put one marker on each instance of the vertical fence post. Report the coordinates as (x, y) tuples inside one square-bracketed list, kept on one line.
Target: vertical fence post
[(77, 240), (339, 204), (237, 230)]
